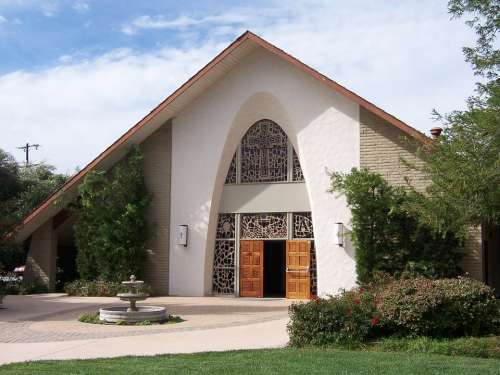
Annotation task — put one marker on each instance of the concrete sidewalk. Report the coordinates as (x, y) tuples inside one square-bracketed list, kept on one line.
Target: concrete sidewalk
[(46, 327), (253, 336)]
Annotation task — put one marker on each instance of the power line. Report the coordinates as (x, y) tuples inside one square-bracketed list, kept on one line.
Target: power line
[(26, 149)]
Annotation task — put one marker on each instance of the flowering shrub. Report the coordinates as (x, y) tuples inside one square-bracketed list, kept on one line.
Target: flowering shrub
[(97, 288), (13, 284), (443, 308), (438, 308), (346, 320)]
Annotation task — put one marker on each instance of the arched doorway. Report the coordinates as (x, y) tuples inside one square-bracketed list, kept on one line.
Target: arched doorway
[(264, 244)]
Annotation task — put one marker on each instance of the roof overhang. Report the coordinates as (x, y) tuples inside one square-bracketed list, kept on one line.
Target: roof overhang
[(176, 102)]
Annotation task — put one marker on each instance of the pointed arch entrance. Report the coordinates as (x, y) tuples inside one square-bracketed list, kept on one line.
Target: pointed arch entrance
[(264, 242)]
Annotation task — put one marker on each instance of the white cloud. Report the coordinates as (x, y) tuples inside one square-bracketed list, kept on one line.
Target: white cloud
[(49, 8), (405, 57), (81, 6), (2, 19), (76, 109), (162, 22)]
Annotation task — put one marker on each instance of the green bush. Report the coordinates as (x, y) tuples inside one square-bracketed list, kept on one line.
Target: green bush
[(444, 308), (98, 288), (11, 255), (14, 285), (437, 308), (92, 318), (387, 236), (344, 320), (111, 228)]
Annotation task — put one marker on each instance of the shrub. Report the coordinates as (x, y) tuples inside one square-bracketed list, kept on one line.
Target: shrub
[(344, 320), (437, 308), (389, 238), (92, 318), (13, 284), (11, 255), (98, 288), (111, 227), (444, 308)]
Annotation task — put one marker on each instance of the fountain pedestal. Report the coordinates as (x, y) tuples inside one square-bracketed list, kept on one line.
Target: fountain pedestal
[(132, 313)]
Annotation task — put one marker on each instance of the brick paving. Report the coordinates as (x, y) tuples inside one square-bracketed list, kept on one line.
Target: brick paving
[(57, 319)]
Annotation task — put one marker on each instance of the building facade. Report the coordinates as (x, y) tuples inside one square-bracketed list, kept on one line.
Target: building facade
[(237, 160)]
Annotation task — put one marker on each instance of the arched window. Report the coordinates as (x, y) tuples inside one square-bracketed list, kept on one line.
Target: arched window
[(264, 155)]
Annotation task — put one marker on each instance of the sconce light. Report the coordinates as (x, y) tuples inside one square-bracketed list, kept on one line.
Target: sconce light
[(339, 234), (182, 235)]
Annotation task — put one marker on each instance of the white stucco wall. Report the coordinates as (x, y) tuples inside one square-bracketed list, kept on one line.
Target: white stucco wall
[(324, 129), (275, 197)]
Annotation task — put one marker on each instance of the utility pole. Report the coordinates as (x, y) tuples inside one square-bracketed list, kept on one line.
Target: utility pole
[(26, 149)]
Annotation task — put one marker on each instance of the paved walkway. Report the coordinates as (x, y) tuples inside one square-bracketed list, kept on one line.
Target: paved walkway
[(46, 327)]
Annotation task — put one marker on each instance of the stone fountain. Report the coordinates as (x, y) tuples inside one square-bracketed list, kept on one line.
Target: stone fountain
[(132, 313)]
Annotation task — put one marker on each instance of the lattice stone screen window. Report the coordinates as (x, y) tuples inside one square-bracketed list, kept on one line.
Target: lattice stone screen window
[(302, 225), (268, 225), (264, 153), (226, 227), (314, 271), (224, 255), (264, 157), (231, 173), (297, 174)]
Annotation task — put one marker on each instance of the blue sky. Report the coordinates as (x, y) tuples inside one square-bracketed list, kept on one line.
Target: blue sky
[(76, 74)]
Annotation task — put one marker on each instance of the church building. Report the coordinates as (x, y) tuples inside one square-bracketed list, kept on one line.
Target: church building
[(236, 160)]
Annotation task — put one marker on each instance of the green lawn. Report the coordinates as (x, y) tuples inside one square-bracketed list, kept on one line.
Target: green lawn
[(277, 361)]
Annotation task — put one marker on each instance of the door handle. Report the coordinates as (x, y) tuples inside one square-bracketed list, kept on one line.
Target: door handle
[(299, 270)]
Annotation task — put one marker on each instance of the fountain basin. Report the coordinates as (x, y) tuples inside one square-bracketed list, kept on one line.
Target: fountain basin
[(116, 314), (132, 298)]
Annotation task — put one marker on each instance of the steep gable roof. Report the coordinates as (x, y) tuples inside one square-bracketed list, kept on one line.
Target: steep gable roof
[(193, 87)]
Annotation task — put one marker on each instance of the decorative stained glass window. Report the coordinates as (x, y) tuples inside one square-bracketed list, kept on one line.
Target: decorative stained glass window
[(225, 226), (314, 272), (268, 225), (223, 281), (224, 255), (297, 174), (264, 156), (302, 225), (231, 173)]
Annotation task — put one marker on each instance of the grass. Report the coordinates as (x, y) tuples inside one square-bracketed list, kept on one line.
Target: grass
[(93, 318), (481, 347), (275, 361)]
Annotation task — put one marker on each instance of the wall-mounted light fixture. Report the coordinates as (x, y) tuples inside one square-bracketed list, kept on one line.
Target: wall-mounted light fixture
[(339, 234), (182, 235)]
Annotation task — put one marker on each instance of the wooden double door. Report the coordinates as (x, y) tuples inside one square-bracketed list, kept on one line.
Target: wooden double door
[(298, 272)]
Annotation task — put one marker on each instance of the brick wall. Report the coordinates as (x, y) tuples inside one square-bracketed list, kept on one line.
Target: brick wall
[(41, 259), (381, 150), (157, 167), (472, 262)]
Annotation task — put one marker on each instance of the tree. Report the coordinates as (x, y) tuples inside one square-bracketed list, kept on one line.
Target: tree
[(387, 237), (21, 190), (38, 182), (463, 165), (111, 228), (10, 184)]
